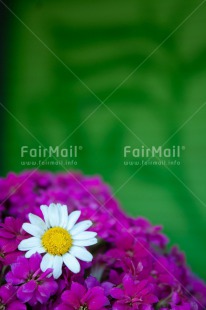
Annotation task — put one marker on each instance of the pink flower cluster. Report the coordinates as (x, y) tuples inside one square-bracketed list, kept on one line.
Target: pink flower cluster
[(132, 266)]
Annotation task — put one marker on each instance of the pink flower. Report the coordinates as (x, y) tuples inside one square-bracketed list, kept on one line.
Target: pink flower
[(79, 297), (132, 266), (7, 254), (178, 301), (33, 285), (133, 295), (8, 300), (11, 232)]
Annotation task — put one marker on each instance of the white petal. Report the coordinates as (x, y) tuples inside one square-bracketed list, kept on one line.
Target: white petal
[(45, 211), (47, 262), (63, 216), (33, 229), (85, 242), (39, 250), (36, 220), (84, 235), (29, 243), (81, 253), (73, 218), (53, 215), (57, 266), (71, 262), (81, 226)]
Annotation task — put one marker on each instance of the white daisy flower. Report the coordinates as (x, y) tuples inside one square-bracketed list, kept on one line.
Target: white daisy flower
[(59, 237)]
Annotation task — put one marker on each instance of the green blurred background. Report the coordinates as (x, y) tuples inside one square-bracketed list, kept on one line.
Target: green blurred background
[(102, 42)]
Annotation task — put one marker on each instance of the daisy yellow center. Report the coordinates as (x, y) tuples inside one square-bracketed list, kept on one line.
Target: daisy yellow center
[(57, 241)]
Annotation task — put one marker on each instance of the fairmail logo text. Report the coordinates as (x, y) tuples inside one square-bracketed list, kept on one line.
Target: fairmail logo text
[(153, 151)]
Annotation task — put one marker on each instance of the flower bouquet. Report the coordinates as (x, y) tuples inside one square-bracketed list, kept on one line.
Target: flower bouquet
[(65, 244)]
